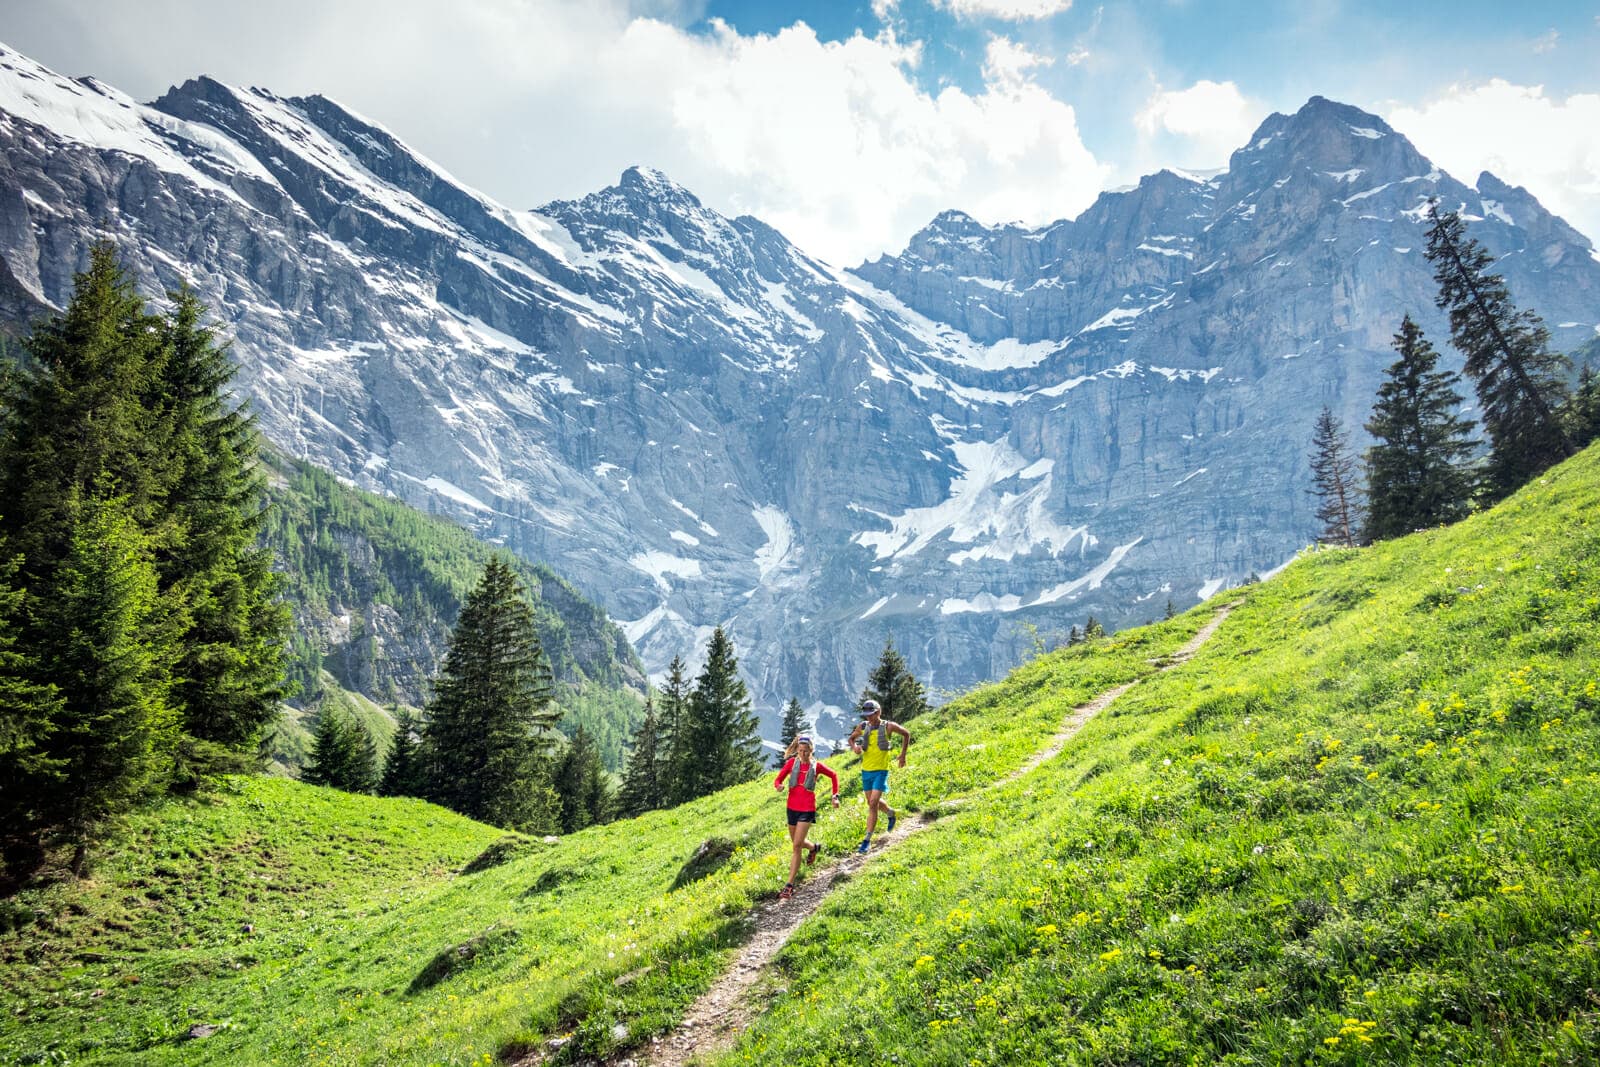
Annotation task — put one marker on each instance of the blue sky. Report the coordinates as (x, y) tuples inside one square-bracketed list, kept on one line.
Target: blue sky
[(1371, 54), (848, 125)]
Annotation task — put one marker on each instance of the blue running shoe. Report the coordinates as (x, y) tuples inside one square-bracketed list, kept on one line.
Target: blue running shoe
[(891, 825), (865, 844)]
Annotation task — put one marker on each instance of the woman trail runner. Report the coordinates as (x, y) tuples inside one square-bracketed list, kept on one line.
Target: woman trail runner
[(801, 770), (873, 737)]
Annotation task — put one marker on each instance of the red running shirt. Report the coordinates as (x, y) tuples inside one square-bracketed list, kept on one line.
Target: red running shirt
[(801, 798)]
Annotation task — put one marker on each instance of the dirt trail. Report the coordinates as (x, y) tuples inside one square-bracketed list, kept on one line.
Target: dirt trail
[(715, 1021)]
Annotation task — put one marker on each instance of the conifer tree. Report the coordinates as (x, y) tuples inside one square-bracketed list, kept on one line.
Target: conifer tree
[(231, 674), (111, 641), (722, 729), (1583, 418), (1171, 611), (580, 783), (402, 770), (1521, 384), (1417, 469), (641, 781), (1074, 635), (488, 732), (28, 712), (676, 744), (894, 687), (1333, 474), (76, 420), (342, 754), (794, 722), (1092, 629)]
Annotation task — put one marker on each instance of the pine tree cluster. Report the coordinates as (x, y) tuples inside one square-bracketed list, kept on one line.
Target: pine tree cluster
[(1422, 469), (702, 739), (141, 637)]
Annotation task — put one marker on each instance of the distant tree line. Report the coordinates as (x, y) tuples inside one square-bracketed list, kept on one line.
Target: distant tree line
[(1421, 469), (141, 637)]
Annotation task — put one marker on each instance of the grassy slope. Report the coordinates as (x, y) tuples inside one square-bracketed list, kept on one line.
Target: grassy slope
[(327, 973), (1359, 827)]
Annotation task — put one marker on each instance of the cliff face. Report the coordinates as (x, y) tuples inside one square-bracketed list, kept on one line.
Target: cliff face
[(699, 424)]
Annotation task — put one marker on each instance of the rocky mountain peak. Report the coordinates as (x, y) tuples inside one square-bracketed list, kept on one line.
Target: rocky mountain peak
[(999, 428)]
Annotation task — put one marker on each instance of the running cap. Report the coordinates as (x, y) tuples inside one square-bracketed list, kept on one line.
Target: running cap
[(870, 707), (803, 739)]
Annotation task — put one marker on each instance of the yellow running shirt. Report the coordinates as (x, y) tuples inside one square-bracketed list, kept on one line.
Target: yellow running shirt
[(874, 758)]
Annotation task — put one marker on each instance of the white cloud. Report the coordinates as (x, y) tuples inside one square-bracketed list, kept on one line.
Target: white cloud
[(1209, 119), (1008, 10), (1546, 42), (833, 142), (1522, 136)]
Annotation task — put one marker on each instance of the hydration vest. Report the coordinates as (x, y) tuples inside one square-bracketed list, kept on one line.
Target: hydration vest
[(811, 775), (883, 736)]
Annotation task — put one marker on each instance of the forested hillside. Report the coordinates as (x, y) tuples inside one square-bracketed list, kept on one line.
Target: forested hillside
[(375, 586)]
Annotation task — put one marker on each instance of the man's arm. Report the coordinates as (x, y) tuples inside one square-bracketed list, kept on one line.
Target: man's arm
[(854, 739), (905, 746)]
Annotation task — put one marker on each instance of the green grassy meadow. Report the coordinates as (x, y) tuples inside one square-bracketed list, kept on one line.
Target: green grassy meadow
[(313, 926), (1359, 827)]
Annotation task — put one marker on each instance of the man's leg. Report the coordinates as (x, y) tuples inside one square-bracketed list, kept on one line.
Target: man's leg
[(874, 797)]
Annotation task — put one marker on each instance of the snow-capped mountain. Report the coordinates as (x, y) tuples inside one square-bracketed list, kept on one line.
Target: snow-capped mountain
[(699, 424)]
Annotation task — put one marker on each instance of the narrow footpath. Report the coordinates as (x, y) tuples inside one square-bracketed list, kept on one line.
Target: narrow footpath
[(714, 1022)]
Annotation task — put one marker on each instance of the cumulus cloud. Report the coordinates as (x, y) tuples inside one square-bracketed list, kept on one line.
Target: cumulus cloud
[(1522, 136), (1204, 122), (833, 142), (1007, 10)]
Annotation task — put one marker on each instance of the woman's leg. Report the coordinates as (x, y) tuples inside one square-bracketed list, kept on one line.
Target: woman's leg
[(797, 834)]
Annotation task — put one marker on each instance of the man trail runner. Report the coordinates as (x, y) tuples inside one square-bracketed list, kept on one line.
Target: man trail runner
[(800, 770), (873, 737)]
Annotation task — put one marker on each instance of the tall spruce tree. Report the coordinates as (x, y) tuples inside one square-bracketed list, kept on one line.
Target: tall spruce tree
[(794, 722), (342, 754), (1418, 473), (1092, 628), (111, 649), (641, 780), (76, 420), (485, 749), (230, 676), (895, 688), (1333, 481), (676, 745), (722, 729), (402, 767), (1521, 384), (580, 782)]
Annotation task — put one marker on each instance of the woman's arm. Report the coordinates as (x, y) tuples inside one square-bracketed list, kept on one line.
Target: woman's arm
[(783, 772)]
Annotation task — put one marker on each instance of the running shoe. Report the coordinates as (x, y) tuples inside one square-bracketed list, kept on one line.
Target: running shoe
[(786, 892), (862, 848), (891, 825), (812, 857)]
